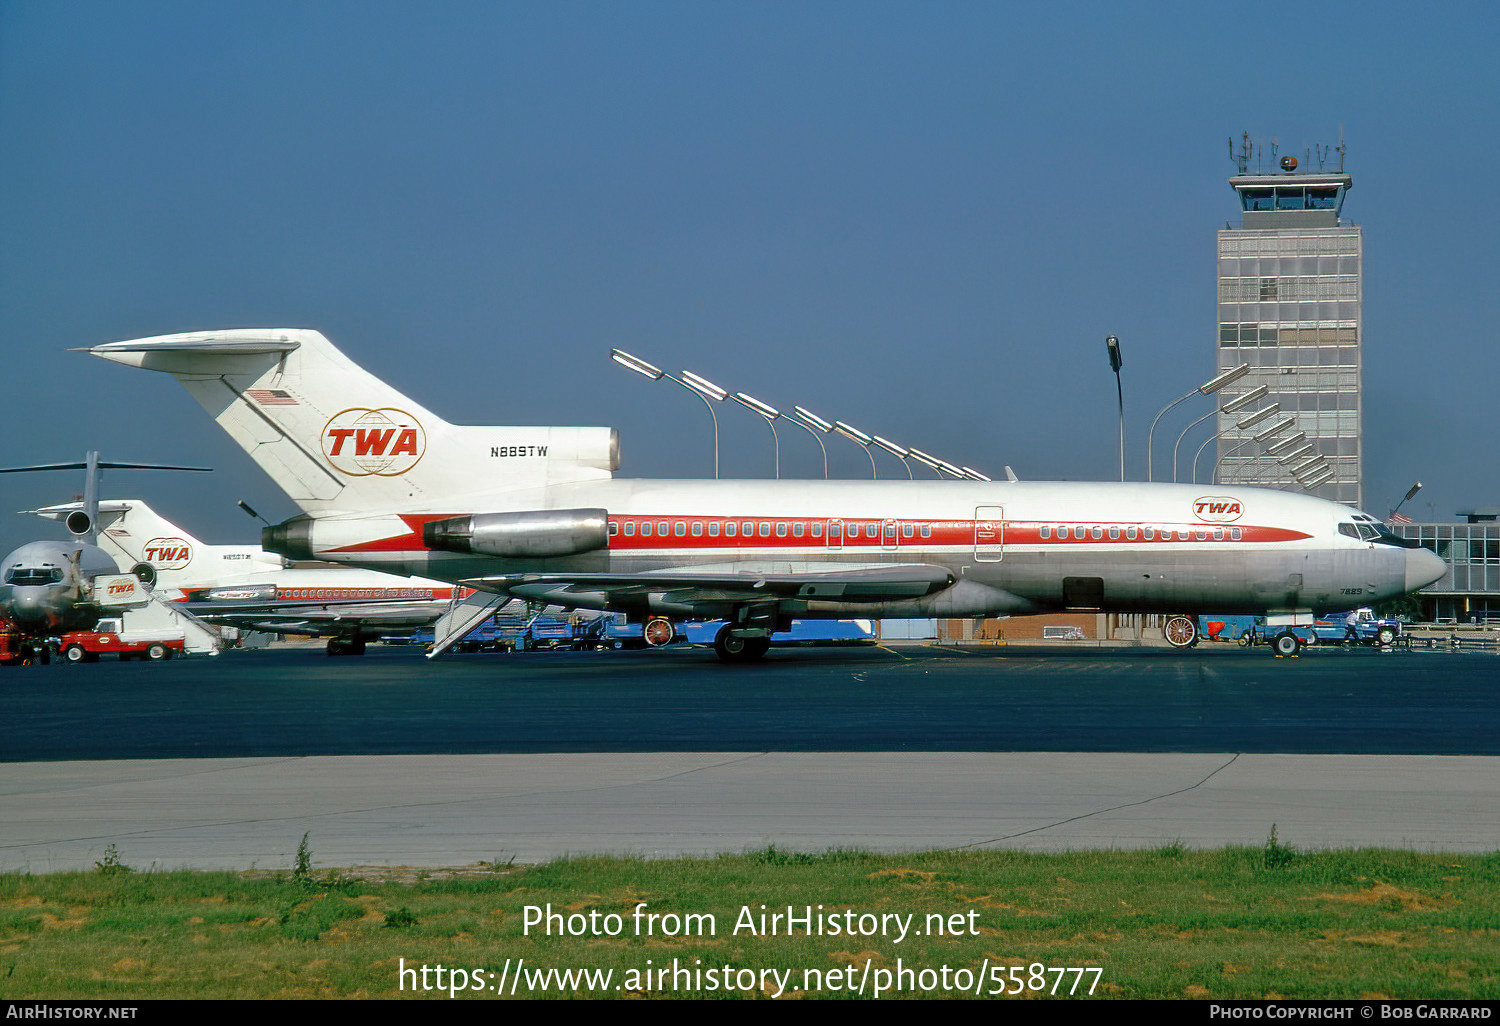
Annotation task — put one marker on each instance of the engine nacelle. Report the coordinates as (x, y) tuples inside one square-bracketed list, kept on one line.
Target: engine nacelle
[(532, 534)]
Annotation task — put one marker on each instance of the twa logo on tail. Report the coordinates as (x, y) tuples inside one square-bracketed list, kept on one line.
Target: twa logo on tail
[(1217, 509), (168, 553), (386, 442)]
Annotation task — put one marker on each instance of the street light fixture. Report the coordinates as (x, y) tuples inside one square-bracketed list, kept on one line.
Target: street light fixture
[(1207, 388), (807, 420), (1115, 362), (1244, 399), (927, 461), (1275, 429), (706, 390), (770, 413), (857, 436), (895, 450)]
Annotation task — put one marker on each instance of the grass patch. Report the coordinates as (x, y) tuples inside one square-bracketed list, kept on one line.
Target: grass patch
[(1172, 922)]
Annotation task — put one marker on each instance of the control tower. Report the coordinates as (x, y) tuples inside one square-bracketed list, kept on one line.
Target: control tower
[(1289, 306)]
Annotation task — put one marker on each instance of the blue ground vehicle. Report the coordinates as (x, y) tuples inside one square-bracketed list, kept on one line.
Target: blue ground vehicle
[(1251, 630), (1368, 628)]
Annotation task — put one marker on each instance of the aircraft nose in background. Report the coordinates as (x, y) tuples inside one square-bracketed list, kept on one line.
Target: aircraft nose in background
[(1423, 566)]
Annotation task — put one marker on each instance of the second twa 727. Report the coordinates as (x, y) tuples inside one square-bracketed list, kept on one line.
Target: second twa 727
[(536, 513)]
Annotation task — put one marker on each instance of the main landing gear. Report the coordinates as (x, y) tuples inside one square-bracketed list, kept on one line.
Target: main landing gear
[(346, 646), (736, 648)]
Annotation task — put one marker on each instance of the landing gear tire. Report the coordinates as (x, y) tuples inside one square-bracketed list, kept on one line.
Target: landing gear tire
[(1286, 644), (732, 649), (1181, 632)]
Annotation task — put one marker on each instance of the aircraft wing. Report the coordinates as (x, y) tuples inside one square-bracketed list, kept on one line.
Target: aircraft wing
[(874, 582), (320, 618)]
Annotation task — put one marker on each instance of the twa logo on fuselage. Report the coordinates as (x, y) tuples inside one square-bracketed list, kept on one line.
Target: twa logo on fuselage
[(168, 553), (1217, 509), (360, 442)]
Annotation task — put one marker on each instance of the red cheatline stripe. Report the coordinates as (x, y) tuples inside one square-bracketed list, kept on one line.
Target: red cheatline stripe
[(713, 533)]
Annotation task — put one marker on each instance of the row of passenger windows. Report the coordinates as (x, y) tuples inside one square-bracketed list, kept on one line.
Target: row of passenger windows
[(766, 528), (1115, 533)]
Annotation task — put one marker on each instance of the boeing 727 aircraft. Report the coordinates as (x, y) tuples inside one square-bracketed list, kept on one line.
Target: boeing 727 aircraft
[(244, 586), (536, 513)]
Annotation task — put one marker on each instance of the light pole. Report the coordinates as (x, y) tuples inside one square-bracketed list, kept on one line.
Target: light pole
[(1200, 420), (1413, 490), (861, 439), (1207, 388), (1115, 362), (707, 390), (896, 451), (770, 413), (928, 461), (807, 420)]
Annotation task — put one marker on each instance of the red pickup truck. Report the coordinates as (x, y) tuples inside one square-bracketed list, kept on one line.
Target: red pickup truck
[(88, 646)]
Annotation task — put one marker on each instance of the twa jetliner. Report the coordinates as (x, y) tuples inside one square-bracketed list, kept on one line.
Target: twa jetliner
[(535, 513), (246, 587)]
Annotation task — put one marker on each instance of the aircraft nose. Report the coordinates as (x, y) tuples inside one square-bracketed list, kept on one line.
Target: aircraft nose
[(1423, 566)]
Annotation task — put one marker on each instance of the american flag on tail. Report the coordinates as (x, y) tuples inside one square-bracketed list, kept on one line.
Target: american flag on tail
[(271, 396)]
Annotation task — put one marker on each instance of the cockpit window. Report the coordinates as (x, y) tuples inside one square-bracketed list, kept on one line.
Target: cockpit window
[(1371, 530), (31, 576)]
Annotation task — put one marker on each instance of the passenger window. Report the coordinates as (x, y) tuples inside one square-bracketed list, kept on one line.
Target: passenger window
[(645, 529), (870, 531), (731, 529), (1148, 533), (781, 529), (890, 532), (836, 529), (1114, 534), (1218, 534), (749, 529), (1130, 534), (713, 529), (1201, 535), (1098, 533), (798, 529), (630, 528), (817, 530), (1045, 532), (926, 530), (614, 528), (661, 528), (1235, 534), (697, 528), (906, 531), (679, 529), (765, 529)]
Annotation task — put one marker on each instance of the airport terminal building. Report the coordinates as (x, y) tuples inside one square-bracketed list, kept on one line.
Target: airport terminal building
[(1470, 590), (1289, 306)]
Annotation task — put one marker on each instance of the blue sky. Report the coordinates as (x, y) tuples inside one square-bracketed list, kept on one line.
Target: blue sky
[(921, 219)]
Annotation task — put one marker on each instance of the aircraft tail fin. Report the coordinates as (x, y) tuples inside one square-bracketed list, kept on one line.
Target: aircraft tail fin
[(336, 438), (133, 533)]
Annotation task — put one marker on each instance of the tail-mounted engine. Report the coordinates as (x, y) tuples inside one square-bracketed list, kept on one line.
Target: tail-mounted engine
[(533, 534)]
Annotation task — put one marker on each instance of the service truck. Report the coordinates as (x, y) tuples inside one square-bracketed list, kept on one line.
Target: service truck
[(110, 637)]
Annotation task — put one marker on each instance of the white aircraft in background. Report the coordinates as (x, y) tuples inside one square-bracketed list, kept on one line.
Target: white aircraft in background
[(248, 588), (48, 588), (536, 513)]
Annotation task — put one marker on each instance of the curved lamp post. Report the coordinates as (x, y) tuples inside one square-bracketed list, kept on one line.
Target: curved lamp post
[(770, 413), (705, 391), (1207, 388)]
